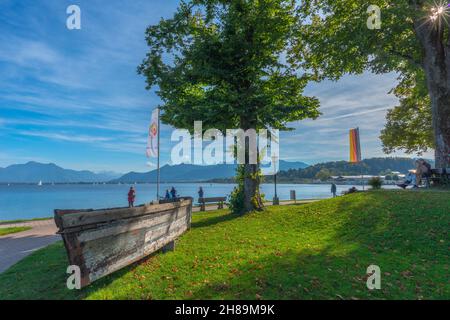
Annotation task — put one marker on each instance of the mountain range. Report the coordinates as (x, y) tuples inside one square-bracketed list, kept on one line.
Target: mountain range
[(33, 172), (191, 173)]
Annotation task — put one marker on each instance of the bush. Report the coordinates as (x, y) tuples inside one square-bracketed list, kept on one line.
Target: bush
[(236, 198), (376, 183), (236, 203)]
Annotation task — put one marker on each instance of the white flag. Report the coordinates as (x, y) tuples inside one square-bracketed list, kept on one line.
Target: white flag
[(152, 143)]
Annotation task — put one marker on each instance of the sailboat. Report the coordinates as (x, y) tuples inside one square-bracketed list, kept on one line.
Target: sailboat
[(40, 183)]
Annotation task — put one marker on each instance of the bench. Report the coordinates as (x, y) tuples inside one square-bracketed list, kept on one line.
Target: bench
[(440, 176), (218, 200)]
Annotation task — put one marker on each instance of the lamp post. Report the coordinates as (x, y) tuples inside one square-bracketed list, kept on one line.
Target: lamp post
[(275, 201)]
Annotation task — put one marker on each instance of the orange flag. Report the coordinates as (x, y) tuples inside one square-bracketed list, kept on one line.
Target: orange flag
[(355, 147)]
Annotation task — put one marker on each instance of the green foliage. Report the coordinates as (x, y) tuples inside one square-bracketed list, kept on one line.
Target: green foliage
[(376, 183), (230, 65), (6, 231), (324, 174), (315, 251), (409, 125), (225, 63), (22, 220), (336, 41), (236, 200), (373, 166)]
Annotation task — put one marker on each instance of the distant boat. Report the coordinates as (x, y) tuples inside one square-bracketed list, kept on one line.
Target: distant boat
[(40, 183)]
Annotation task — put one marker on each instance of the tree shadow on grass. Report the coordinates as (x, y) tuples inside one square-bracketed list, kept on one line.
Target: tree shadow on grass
[(404, 241), (207, 222)]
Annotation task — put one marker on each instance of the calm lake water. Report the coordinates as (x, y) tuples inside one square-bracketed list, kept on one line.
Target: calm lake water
[(32, 201)]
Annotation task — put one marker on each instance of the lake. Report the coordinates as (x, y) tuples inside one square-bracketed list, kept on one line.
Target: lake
[(33, 201)]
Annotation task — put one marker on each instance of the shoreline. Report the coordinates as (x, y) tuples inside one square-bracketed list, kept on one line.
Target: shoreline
[(182, 182)]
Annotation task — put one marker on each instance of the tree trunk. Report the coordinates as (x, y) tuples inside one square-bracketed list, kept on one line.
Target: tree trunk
[(436, 64), (252, 195), (440, 104)]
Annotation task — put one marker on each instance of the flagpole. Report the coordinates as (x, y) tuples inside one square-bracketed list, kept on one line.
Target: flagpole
[(158, 177)]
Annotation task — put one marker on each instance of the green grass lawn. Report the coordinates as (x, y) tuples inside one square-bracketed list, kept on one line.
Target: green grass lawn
[(6, 231), (315, 251), (22, 220)]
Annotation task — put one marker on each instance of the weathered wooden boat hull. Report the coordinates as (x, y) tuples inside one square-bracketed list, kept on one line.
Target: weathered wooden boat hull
[(100, 242)]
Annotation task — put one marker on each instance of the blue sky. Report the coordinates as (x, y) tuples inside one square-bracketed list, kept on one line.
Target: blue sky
[(73, 97)]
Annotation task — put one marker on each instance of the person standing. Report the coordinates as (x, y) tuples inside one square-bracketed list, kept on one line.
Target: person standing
[(173, 193), (131, 197), (200, 192), (333, 189), (167, 197)]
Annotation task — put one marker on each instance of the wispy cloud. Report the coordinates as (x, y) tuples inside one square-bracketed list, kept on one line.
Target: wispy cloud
[(354, 114), (65, 137)]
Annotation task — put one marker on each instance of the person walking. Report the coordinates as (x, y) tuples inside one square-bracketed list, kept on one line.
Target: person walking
[(333, 189), (167, 197), (131, 197)]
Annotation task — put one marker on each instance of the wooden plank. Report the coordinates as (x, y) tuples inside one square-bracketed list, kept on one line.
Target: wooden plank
[(74, 218), (121, 226), (100, 245)]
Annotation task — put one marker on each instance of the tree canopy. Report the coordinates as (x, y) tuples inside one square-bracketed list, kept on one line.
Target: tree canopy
[(229, 64), (409, 125), (413, 41)]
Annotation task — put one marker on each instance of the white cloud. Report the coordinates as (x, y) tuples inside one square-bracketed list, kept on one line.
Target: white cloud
[(65, 137)]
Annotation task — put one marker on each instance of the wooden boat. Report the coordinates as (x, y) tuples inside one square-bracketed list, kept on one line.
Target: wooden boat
[(100, 242)]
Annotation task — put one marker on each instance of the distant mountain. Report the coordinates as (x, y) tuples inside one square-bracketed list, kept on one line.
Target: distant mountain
[(287, 165), (190, 172), (33, 172), (373, 166)]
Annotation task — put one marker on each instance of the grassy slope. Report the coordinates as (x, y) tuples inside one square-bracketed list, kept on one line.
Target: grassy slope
[(319, 250), (22, 220), (6, 231)]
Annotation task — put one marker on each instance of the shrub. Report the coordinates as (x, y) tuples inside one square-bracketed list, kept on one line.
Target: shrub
[(376, 183), (236, 198), (236, 202)]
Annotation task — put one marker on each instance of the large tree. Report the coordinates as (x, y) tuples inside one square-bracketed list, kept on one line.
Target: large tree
[(409, 125), (230, 65), (413, 39)]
